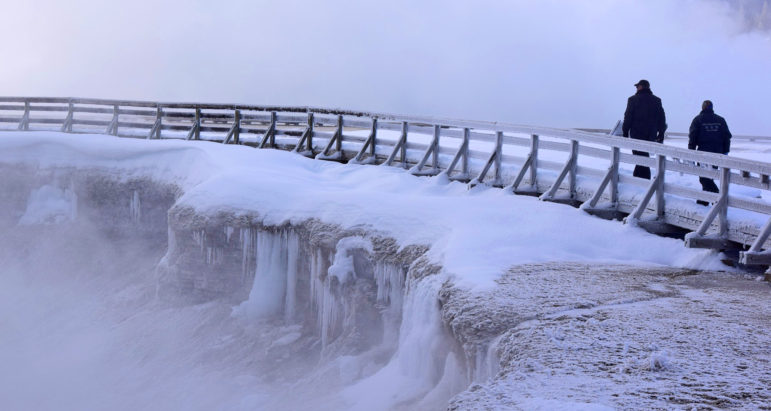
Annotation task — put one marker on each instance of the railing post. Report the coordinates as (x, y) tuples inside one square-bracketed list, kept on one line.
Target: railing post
[(116, 119), (573, 167), (273, 119), (725, 180), (159, 122), (339, 141), (615, 157), (464, 165), (534, 162), (435, 152), (309, 141), (498, 157), (403, 150), (197, 130), (70, 116), (237, 126), (661, 171), (372, 145)]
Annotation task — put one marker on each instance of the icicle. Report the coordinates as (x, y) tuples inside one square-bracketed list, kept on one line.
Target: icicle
[(293, 254), (135, 207), (486, 362), (246, 236), (213, 255), (268, 293), (199, 237)]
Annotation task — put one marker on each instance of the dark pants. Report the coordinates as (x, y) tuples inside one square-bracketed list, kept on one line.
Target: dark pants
[(642, 171), (708, 184)]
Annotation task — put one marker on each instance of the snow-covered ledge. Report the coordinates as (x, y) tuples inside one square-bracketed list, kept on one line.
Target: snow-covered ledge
[(408, 290)]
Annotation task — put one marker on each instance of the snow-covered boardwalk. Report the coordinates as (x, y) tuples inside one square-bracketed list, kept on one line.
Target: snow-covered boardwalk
[(575, 167)]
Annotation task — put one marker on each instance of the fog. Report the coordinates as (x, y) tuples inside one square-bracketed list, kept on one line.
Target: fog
[(95, 315), (82, 329), (547, 62)]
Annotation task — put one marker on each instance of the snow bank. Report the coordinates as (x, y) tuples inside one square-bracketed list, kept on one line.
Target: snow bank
[(476, 235)]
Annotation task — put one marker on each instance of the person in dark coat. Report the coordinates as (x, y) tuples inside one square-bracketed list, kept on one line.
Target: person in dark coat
[(709, 132), (644, 119)]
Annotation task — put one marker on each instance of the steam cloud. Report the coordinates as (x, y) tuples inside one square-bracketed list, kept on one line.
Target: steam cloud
[(554, 63)]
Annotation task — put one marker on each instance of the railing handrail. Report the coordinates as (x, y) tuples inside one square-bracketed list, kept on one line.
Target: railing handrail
[(678, 134), (584, 136)]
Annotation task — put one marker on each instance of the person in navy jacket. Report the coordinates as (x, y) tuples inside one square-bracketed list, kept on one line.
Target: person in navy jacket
[(709, 132)]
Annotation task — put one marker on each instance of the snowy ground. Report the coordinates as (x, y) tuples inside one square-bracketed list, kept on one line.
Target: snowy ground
[(591, 313), (619, 337)]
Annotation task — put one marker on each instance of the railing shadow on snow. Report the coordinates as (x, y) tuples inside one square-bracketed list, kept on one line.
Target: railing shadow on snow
[(581, 168)]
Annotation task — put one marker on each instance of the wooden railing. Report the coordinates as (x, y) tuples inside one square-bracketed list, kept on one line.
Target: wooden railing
[(569, 166)]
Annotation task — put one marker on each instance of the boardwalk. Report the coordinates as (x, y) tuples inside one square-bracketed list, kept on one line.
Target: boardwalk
[(580, 168)]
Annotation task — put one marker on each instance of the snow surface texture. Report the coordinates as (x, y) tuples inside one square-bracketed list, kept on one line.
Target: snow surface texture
[(552, 328), (618, 337)]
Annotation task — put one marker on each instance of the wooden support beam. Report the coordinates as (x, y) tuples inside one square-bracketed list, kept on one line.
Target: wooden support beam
[(433, 148), (337, 141), (398, 147), (712, 242), (306, 139), (155, 131), (531, 165), (369, 144), (114, 124), (568, 169), (24, 123), (763, 235), (699, 238), (755, 258), (755, 255), (67, 125), (495, 159), (195, 130), (656, 185), (611, 177), (460, 156), (269, 138)]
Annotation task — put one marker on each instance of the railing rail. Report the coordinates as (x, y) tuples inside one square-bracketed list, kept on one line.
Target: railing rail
[(572, 166)]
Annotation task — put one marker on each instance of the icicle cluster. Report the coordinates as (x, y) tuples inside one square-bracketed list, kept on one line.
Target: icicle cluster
[(273, 290)]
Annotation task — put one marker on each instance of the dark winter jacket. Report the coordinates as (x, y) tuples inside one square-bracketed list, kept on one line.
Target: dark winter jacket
[(709, 132), (644, 118)]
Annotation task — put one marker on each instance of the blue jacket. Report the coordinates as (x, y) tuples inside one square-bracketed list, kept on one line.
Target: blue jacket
[(709, 132)]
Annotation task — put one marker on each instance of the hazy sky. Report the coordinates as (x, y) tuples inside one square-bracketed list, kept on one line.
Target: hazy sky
[(555, 63)]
